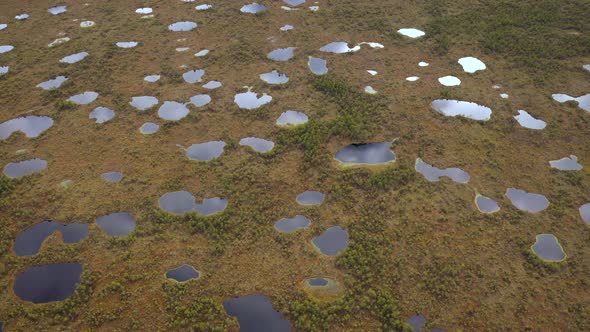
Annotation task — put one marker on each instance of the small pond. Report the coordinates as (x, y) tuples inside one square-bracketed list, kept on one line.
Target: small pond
[(193, 76), (253, 8), (528, 121), (567, 164), (292, 118), (433, 174), (70, 59), (84, 98), (317, 66), (331, 242), (205, 151), (465, 109), (200, 100), (310, 198), (486, 204), (182, 26), (471, 64), (23, 168), (449, 81), (585, 213), (547, 247), (257, 144), (366, 154), (274, 77), (116, 224), (411, 32), (527, 201), (129, 44), (250, 100), (102, 114), (143, 103), (149, 128), (112, 177), (31, 126), (282, 54), (183, 273), (173, 111), (290, 225), (52, 83)]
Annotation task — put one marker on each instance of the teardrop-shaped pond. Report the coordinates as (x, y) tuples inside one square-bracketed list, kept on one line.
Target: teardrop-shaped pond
[(486, 204), (547, 247), (525, 201)]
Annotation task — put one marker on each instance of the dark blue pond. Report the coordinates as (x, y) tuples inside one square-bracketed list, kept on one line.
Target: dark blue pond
[(30, 240), (256, 314), (183, 273), (48, 283)]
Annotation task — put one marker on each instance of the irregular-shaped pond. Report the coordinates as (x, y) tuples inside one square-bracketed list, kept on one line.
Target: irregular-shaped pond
[(370, 90), (417, 322), (70, 59), (180, 202), (144, 11), (200, 100), (31, 126), (52, 83), (116, 224), (528, 121), (526, 201), (149, 128), (193, 76), (257, 144), (583, 101), (253, 8), (434, 174), (249, 100), (212, 85), (462, 108), (30, 240), (585, 213), (471, 64), (290, 225), (566, 164), (317, 66), (4, 70), (143, 103), (294, 3), (411, 32), (102, 114), (256, 314), (339, 48), (547, 247), (112, 176), (183, 273), (84, 98), (292, 118), (286, 27), (366, 154), (310, 198), (486, 204), (57, 10), (205, 151), (152, 78), (203, 7), (282, 54), (333, 241), (48, 283), (173, 111), (182, 26), (274, 77), (23, 168)]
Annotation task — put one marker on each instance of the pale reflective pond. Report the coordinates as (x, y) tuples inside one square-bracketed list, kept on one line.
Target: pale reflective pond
[(183, 273), (116, 224), (4, 70), (129, 44), (462, 108), (253, 8), (282, 54), (22, 17), (286, 27), (52, 83), (274, 77), (211, 206), (583, 101), (528, 121), (292, 118), (202, 53), (317, 66), (205, 151), (144, 11), (173, 111), (486, 204), (212, 85), (31, 126), (294, 3), (257, 144), (3, 26), (203, 7), (149, 128), (112, 176), (48, 283), (200, 100), (193, 76), (57, 10), (84, 98), (331, 242), (143, 103), (370, 90), (70, 59), (525, 201), (152, 78), (289, 225), (182, 26), (317, 282), (471, 64), (179, 202), (433, 174), (256, 314), (250, 100), (102, 114), (339, 48), (6, 48), (411, 32), (567, 164), (366, 154), (449, 81), (412, 78), (310, 198), (24, 168), (547, 247), (585, 213), (30, 240)]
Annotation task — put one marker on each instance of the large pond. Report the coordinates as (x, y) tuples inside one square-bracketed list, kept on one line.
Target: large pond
[(462, 108), (567, 164), (30, 240), (48, 283), (205, 151), (290, 225), (183, 273), (84, 98), (583, 101), (31, 126), (116, 224), (333, 241), (310, 198), (179, 202), (411, 32), (525, 201), (173, 111), (434, 174), (366, 154), (547, 247), (23, 168), (256, 314)]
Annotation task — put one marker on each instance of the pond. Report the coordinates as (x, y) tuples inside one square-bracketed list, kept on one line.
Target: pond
[(292, 118), (256, 314), (547, 247), (310, 198), (32, 126), (411, 32), (143, 103), (212, 85), (339, 48), (193, 76), (417, 322), (129, 44), (528, 121), (23, 168), (370, 90), (366, 154), (70, 59), (152, 78), (183, 273), (286, 27), (317, 66), (585, 213), (48, 283), (182, 26), (4, 70), (525, 201), (144, 11), (205, 151), (290, 225), (112, 177), (57, 10), (486, 204), (449, 81), (173, 111), (116, 224), (282, 54), (274, 77), (253, 8), (52, 83), (203, 7), (31, 239), (149, 128), (257, 144), (294, 3), (471, 64), (180, 202), (412, 78), (102, 114), (84, 98), (465, 109), (200, 100), (331, 242), (567, 164), (6, 48), (583, 101), (250, 100), (433, 174)]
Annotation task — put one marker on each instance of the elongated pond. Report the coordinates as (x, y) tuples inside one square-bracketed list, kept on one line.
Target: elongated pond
[(30, 240), (366, 154), (179, 202), (116, 224), (290, 225), (525, 201), (24, 168), (256, 314), (183, 273), (465, 109), (433, 174), (31, 126)]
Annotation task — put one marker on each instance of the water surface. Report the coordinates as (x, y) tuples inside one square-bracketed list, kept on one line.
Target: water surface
[(6, 48), (370, 90), (182, 26), (585, 213), (70, 59), (411, 32), (149, 128), (257, 144), (129, 44), (274, 77), (203, 7), (250, 100), (317, 66), (528, 121), (310, 198), (52, 83), (462, 108), (183, 273), (102, 114), (433, 174), (23, 168), (290, 225), (152, 78), (292, 118), (87, 24), (212, 85), (286, 27), (449, 81), (48, 283), (144, 11), (282, 54), (256, 314), (112, 176), (294, 3), (57, 10), (547, 247), (31, 126), (366, 154), (331, 242), (583, 101), (116, 224), (525, 201), (205, 151), (567, 164), (173, 111), (143, 103), (200, 100), (193, 76), (4, 70), (339, 48), (84, 98), (417, 322), (31, 239), (317, 282), (253, 8), (21, 17), (471, 64), (486, 204)]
